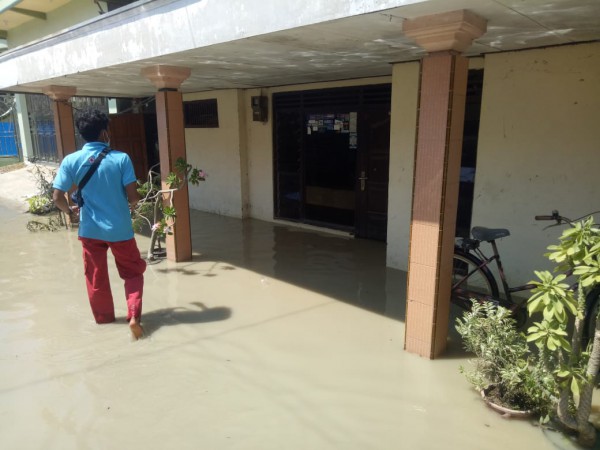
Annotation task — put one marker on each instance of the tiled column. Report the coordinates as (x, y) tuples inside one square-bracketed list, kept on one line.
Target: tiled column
[(171, 143), (437, 174), (63, 118)]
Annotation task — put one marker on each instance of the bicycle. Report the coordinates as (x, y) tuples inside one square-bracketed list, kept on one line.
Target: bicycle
[(473, 279)]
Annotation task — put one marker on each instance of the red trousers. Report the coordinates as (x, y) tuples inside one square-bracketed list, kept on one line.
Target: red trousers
[(131, 269)]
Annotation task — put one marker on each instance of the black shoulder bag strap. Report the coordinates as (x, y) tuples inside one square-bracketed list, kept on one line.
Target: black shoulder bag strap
[(77, 196)]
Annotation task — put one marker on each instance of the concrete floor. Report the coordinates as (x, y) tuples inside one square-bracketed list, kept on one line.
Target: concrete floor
[(273, 337)]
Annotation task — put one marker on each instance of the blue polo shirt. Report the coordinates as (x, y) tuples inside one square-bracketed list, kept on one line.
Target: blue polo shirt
[(105, 214)]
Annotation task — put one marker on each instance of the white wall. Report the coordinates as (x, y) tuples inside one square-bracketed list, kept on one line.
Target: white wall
[(405, 91), (220, 152), (539, 147), (259, 138)]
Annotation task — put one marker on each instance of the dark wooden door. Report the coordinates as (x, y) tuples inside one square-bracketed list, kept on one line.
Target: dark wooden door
[(373, 173), (127, 135)]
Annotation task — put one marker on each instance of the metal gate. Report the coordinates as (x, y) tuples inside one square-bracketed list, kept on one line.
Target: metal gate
[(9, 136), (41, 122)]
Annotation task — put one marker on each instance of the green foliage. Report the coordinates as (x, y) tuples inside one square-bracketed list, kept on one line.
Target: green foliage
[(503, 359), (156, 209), (184, 171), (39, 204), (545, 335), (575, 245), (42, 203), (173, 181), (559, 342)]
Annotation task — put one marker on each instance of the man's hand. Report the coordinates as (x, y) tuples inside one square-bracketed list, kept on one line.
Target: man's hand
[(133, 197), (60, 200)]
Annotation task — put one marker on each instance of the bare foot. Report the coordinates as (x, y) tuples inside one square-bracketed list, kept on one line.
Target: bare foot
[(136, 328)]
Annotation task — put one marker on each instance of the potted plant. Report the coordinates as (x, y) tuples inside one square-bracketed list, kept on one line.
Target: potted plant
[(156, 209), (510, 379)]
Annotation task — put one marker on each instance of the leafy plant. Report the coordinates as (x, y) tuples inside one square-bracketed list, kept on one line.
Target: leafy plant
[(41, 203), (504, 363), (156, 209), (574, 367)]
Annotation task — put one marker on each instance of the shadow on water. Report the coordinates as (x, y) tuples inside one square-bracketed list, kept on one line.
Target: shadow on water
[(183, 268), (154, 320), (343, 268), (349, 270)]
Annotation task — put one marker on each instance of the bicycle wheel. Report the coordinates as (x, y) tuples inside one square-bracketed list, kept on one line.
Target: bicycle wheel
[(592, 306), (481, 282)]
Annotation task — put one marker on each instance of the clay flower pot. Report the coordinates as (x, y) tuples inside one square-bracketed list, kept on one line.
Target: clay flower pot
[(503, 410)]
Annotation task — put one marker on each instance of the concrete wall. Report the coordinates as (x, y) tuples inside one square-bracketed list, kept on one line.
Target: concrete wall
[(61, 18), (538, 150), (405, 91), (403, 134), (238, 156), (259, 138), (539, 147), (221, 152)]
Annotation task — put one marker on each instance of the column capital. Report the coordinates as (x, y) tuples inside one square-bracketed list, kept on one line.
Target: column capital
[(454, 30), (166, 77), (59, 93)]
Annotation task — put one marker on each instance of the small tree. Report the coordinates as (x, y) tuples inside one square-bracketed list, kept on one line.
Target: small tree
[(574, 367), (156, 208)]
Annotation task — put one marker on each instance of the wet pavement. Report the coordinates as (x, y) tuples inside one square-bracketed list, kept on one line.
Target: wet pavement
[(272, 337)]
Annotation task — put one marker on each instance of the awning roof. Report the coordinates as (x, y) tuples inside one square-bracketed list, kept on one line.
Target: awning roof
[(245, 44)]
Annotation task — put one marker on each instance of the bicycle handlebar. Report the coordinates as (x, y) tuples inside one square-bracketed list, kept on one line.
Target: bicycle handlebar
[(555, 216), (560, 219)]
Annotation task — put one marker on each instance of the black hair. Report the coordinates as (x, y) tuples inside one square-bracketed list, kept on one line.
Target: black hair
[(91, 123)]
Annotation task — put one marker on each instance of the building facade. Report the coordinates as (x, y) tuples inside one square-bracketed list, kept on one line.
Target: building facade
[(400, 120)]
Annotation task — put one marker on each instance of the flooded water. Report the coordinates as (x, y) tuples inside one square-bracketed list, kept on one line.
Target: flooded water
[(271, 338)]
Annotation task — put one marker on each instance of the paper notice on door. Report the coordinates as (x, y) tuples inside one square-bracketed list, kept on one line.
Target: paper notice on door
[(353, 141), (353, 122)]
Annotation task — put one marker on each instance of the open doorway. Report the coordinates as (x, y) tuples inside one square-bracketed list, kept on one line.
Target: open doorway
[(331, 158), (469, 153)]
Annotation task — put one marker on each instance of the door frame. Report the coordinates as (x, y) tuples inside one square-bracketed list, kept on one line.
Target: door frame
[(332, 100)]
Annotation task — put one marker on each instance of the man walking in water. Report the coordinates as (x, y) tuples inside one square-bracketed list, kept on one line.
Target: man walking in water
[(105, 218)]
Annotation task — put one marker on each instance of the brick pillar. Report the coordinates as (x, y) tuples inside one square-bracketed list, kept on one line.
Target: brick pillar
[(437, 174), (171, 142), (63, 118)]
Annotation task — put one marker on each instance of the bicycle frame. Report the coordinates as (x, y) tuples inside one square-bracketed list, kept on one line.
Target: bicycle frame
[(470, 249), (485, 262), (505, 287)]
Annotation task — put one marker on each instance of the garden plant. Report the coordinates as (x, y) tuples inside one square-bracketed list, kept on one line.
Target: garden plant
[(155, 209), (566, 351), (556, 377)]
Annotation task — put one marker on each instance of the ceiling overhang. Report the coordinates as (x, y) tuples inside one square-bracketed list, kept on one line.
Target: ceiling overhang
[(5, 5), (229, 47)]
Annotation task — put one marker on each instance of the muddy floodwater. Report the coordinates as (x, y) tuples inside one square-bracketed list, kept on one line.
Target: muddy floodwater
[(273, 337)]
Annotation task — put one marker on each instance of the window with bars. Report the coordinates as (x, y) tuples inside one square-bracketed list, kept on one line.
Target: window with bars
[(201, 113)]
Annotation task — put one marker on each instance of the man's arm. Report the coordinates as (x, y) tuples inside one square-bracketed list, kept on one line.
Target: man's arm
[(60, 200), (133, 197)]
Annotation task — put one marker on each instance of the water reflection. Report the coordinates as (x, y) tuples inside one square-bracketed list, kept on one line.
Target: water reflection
[(343, 268)]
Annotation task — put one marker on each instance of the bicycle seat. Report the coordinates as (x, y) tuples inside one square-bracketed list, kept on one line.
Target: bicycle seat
[(489, 234)]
